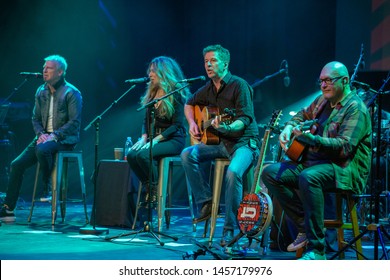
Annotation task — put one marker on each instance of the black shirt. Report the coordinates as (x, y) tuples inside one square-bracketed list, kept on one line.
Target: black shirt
[(234, 94)]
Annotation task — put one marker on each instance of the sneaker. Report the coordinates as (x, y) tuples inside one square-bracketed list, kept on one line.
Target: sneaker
[(6, 215), (45, 197), (298, 243), (312, 256)]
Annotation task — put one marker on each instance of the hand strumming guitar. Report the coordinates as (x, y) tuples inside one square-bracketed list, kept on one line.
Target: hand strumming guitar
[(301, 136), (194, 131), (285, 136)]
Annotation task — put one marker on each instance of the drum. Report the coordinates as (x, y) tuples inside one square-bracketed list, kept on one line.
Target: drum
[(255, 214)]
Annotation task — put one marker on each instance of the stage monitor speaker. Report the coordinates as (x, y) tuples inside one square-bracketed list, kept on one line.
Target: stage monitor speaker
[(116, 188)]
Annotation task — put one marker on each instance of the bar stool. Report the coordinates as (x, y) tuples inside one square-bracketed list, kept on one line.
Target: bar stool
[(219, 170), (59, 178), (166, 165), (341, 224), (164, 188)]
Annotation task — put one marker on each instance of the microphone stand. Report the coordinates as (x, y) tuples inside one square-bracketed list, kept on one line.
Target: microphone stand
[(14, 91), (96, 123), (266, 78), (148, 226)]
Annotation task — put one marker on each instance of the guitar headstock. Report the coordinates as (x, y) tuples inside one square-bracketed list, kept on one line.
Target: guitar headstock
[(274, 121), (228, 116)]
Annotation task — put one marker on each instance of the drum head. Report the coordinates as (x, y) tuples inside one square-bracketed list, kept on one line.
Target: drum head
[(255, 214)]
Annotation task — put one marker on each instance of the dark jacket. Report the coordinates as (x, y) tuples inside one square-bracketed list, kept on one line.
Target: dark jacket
[(67, 107)]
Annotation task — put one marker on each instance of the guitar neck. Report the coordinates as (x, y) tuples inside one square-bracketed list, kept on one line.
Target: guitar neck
[(207, 123), (260, 162)]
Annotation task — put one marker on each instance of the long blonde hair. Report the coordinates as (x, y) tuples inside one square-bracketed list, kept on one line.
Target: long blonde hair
[(169, 73)]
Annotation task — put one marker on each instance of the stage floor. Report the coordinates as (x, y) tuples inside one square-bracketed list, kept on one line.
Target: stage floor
[(38, 240)]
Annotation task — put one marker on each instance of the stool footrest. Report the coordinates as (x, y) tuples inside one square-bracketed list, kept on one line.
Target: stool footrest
[(177, 208)]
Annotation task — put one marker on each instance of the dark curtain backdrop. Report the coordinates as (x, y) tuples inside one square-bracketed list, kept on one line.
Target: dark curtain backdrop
[(106, 42)]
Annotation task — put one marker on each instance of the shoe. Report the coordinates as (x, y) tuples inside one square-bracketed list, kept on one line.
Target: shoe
[(152, 197), (205, 212), (6, 215), (46, 197), (298, 243), (312, 256), (227, 237)]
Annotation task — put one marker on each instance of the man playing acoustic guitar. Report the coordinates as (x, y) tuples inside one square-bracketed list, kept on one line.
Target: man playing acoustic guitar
[(228, 95), (337, 156)]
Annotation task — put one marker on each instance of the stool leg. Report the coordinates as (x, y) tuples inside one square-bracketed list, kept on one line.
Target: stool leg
[(83, 189), (191, 206), (138, 205), (355, 227), (206, 227), (299, 253), (167, 212), (217, 185), (63, 189), (34, 193), (164, 166), (56, 182)]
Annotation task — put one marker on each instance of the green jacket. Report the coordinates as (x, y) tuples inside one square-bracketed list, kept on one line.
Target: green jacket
[(346, 139)]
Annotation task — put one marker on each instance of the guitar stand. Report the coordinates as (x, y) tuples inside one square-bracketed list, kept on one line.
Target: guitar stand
[(263, 241)]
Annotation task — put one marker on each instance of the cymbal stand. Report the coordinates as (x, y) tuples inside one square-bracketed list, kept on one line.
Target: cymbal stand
[(148, 225)]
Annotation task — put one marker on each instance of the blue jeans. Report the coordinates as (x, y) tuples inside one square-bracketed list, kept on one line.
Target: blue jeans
[(42, 153), (193, 159)]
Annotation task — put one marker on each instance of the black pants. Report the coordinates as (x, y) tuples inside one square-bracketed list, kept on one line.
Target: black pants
[(42, 153), (139, 160), (300, 192)]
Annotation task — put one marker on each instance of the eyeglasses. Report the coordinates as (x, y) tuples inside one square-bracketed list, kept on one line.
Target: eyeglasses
[(328, 81)]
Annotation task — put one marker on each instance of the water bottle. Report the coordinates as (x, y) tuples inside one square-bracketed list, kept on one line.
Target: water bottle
[(128, 145)]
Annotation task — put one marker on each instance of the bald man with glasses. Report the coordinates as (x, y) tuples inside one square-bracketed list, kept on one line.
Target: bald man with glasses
[(337, 154)]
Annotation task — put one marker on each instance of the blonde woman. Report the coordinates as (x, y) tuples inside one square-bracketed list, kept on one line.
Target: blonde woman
[(165, 75)]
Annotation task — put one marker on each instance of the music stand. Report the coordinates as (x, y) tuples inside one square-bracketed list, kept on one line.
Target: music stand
[(96, 123), (148, 226)]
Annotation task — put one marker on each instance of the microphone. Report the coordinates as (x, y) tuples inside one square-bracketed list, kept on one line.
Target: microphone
[(137, 81), (286, 79), (191, 80), (31, 75)]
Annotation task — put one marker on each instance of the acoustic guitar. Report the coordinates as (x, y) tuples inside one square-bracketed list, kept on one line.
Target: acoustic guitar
[(203, 116), (256, 209), (296, 147)]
